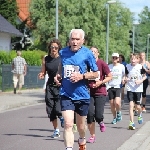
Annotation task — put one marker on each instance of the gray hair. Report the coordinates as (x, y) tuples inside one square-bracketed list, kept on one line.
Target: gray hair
[(18, 53), (77, 31)]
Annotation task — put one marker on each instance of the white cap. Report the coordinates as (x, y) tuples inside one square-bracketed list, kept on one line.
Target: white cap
[(115, 54)]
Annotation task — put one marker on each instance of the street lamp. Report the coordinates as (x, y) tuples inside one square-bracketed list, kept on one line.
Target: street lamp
[(107, 34), (56, 19), (148, 36)]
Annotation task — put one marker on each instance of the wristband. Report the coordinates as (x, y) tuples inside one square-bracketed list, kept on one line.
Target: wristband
[(83, 76)]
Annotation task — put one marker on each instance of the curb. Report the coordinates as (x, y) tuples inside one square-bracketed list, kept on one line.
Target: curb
[(138, 141)]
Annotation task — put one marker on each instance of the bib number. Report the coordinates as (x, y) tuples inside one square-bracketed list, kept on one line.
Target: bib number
[(69, 69)]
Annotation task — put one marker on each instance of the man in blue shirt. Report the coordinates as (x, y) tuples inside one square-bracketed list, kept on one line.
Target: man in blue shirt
[(76, 60)]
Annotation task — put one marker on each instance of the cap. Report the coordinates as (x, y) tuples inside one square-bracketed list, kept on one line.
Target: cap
[(115, 54)]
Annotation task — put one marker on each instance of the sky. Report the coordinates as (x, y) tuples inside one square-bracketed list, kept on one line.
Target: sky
[(136, 6)]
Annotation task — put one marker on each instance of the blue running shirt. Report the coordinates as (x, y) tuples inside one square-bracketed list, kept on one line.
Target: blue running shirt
[(76, 62)]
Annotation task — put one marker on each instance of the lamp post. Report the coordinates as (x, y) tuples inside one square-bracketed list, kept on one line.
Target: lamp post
[(107, 34), (148, 36), (56, 19), (133, 38)]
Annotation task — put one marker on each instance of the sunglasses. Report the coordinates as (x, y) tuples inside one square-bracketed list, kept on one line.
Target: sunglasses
[(54, 47), (114, 57)]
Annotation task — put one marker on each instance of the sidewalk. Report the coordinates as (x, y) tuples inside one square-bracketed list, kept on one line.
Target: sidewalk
[(9, 100)]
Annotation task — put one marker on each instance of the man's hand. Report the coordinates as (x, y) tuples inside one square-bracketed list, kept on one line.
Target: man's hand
[(75, 77), (97, 84), (57, 79), (41, 75)]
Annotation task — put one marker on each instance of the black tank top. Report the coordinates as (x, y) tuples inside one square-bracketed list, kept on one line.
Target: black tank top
[(51, 66)]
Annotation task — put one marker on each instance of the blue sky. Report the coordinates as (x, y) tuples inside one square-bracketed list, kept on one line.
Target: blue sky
[(136, 6)]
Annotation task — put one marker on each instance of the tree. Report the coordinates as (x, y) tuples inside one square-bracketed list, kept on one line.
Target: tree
[(142, 30), (90, 15), (9, 7)]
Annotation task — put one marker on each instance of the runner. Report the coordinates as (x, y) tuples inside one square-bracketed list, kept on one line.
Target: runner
[(122, 61), (98, 96), (114, 90), (135, 77), (74, 91), (52, 99), (146, 66)]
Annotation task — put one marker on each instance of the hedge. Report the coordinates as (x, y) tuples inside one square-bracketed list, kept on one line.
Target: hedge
[(33, 58)]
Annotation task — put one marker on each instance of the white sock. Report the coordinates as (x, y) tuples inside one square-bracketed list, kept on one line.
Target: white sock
[(57, 130), (81, 140), (68, 148)]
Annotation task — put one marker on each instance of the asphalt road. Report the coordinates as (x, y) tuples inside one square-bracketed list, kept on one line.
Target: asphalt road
[(29, 129)]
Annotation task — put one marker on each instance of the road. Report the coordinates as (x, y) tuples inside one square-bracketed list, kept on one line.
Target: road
[(29, 128)]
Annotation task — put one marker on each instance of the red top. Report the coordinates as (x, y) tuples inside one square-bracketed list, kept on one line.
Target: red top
[(104, 71)]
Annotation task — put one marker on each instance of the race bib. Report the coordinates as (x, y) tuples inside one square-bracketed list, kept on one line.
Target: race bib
[(68, 69), (115, 79)]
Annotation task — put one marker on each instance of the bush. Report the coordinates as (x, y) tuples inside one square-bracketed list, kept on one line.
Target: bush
[(33, 58)]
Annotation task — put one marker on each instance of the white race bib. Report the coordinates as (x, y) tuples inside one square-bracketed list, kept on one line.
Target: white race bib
[(68, 69)]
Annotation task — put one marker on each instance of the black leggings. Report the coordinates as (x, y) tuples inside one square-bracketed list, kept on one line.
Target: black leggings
[(145, 85), (96, 109)]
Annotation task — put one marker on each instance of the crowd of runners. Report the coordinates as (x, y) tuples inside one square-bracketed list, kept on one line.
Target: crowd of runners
[(79, 82)]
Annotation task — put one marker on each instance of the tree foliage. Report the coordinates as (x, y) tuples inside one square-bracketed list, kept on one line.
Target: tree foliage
[(90, 15), (9, 7), (142, 30)]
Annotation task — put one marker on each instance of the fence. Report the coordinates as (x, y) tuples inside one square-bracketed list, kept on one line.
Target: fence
[(31, 79)]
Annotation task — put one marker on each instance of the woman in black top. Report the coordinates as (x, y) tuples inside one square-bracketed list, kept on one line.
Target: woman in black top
[(50, 65)]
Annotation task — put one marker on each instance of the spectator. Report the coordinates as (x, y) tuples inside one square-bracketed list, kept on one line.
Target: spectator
[(19, 70)]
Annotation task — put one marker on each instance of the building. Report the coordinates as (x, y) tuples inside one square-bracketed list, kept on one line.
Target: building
[(7, 30), (23, 15)]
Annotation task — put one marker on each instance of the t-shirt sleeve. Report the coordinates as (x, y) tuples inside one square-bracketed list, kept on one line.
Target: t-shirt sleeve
[(24, 61), (105, 68), (143, 71), (91, 62), (123, 69)]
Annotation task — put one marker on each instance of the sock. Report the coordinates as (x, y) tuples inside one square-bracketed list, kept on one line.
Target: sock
[(14, 90), (68, 148), (81, 140), (140, 115), (57, 130), (119, 112)]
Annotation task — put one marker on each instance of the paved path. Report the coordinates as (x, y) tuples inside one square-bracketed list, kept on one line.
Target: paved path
[(138, 139)]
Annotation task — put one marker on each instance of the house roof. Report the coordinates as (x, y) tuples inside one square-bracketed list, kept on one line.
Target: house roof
[(7, 27), (23, 6)]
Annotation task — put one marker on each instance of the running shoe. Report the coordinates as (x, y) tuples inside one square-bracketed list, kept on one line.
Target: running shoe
[(74, 128), (131, 126), (62, 122), (56, 134), (140, 119), (119, 116), (92, 139), (102, 127), (114, 121), (143, 109)]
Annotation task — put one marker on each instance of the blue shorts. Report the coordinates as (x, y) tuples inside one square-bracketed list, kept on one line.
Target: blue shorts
[(79, 106)]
